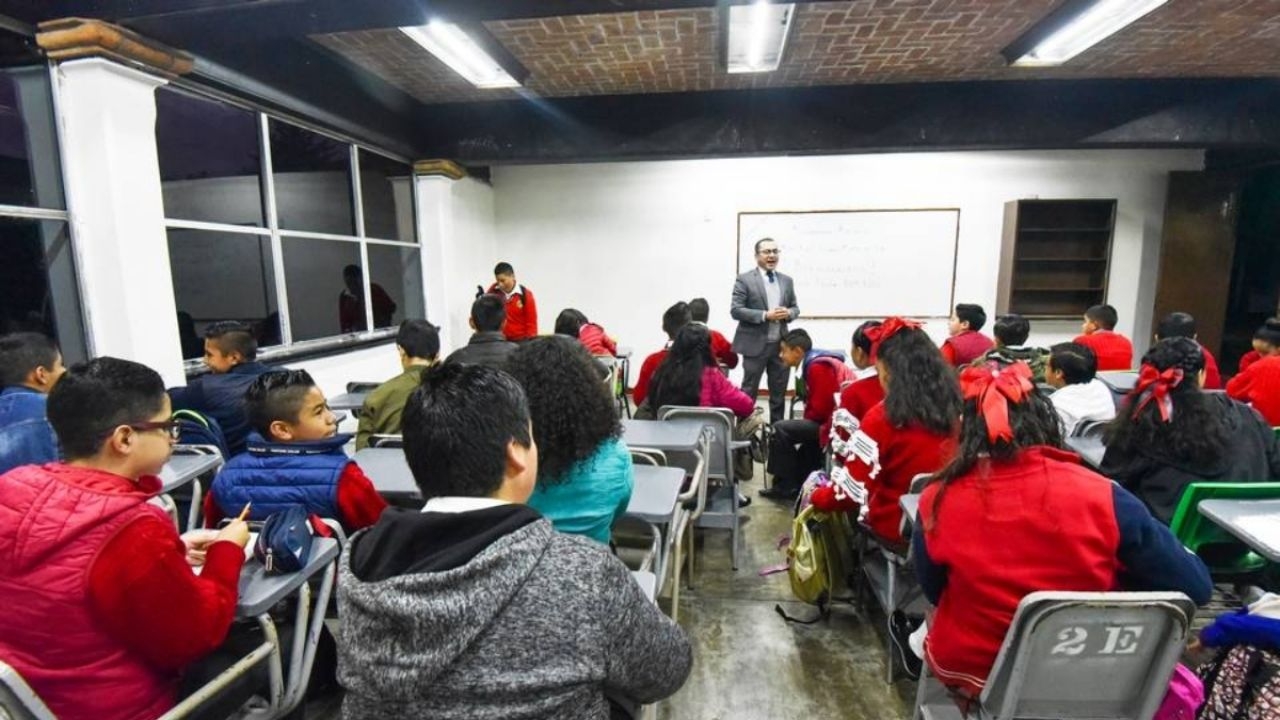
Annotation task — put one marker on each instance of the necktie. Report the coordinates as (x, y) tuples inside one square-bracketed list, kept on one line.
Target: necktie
[(772, 276)]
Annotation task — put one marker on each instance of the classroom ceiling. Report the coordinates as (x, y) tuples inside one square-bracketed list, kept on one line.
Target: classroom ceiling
[(624, 79), (831, 43)]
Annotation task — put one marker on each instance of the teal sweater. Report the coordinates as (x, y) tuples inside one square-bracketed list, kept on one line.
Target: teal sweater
[(591, 496)]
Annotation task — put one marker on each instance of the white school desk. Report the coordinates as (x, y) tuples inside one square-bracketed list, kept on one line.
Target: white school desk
[(1090, 449), (654, 492), (1121, 381), (388, 469), (348, 401), (681, 435), (1255, 522), (647, 581), (187, 468)]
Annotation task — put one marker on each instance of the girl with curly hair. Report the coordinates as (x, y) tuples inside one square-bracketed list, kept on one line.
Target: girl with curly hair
[(1170, 433), (690, 376), (1012, 514), (584, 468), (912, 431)]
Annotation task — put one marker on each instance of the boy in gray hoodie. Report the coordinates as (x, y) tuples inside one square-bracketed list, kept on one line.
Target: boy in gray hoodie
[(475, 607)]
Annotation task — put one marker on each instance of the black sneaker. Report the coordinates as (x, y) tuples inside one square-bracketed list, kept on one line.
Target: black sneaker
[(779, 492), (900, 629)]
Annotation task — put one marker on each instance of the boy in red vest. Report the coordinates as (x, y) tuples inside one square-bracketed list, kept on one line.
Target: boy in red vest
[(522, 309), (111, 612), (966, 344), (1114, 350)]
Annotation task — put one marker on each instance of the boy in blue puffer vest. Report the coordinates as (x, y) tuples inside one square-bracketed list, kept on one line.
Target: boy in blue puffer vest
[(294, 457)]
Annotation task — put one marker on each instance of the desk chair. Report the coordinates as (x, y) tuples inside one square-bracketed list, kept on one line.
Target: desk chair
[(197, 485), (386, 441), (1077, 655), (1228, 557), (722, 511), (17, 700), (362, 387), (1090, 428), (634, 533)]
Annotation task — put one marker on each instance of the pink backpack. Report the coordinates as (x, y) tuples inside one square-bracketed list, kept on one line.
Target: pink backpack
[(1184, 698)]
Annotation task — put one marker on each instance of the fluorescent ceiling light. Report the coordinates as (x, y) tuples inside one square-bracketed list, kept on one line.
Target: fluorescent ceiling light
[(1091, 27), (758, 35), (457, 50)]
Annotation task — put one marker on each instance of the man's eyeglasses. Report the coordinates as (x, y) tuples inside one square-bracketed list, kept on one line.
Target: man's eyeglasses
[(171, 427), (771, 252)]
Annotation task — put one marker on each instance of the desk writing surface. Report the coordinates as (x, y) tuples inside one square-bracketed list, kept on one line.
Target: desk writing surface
[(667, 435), (348, 401), (259, 591), (1090, 449), (389, 471), (182, 469), (654, 492), (1255, 522), (647, 581)]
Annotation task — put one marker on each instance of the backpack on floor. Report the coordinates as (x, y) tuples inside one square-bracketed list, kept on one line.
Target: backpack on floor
[(817, 553), (751, 429), (199, 429), (1241, 682)]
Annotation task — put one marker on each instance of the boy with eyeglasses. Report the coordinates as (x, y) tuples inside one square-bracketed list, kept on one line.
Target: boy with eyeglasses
[(110, 612), (294, 457)]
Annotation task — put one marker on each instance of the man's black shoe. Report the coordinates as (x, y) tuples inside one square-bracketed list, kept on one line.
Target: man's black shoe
[(778, 492), (743, 500)]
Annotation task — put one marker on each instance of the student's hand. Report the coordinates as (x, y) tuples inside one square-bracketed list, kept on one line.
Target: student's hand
[(197, 541), (237, 531)]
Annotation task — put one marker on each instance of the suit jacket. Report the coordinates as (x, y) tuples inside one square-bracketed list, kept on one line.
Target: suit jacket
[(749, 305)]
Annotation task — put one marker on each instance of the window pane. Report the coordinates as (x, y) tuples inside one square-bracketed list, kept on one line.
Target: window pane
[(38, 291), (386, 192), (29, 173), (222, 276), (312, 176), (210, 161), (320, 302), (396, 274)]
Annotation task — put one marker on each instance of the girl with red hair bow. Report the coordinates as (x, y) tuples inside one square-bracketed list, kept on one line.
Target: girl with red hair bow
[(1170, 433), (1014, 514)]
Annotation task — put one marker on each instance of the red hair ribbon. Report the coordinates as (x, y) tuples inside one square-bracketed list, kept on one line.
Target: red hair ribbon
[(994, 388), (887, 329), (1155, 385)]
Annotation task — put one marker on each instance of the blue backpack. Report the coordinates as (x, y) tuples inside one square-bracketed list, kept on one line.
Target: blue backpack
[(199, 429)]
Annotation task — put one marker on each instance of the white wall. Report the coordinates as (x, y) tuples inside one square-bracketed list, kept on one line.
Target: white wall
[(456, 227), (332, 374), (623, 241)]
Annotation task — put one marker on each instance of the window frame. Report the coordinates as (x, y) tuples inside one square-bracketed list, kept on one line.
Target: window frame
[(288, 347)]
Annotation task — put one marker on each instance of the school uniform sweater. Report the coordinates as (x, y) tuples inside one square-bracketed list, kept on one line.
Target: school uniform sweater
[(860, 396), (960, 350), (1114, 351), (594, 339), (522, 312), (1260, 386), (591, 496), (1212, 375), (897, 455), (647, 369), (823, 373), (722, 349), (1248, 359), (1038, 522)]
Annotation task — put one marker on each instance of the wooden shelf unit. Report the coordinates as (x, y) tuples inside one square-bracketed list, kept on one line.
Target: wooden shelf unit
[(1055, 257)]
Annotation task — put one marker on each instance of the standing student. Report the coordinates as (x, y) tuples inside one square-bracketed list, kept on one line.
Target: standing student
[(30, 365), (1011, 332), (1266, 341), (721, 348), (487, 345), (584, 469), (673, 320), (1180, 324), (690, 377), (796, 448), (230, 352), (522, 309), (1114, 351), (1079, 396), (475, 607), (912, 431), (418, 344), (103, 611), (1013, 514), (764, 301), (1170, 433), (574, 324), (966, 343)]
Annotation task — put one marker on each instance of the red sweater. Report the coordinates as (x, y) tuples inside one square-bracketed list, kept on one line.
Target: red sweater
[(1259, 386), (858, 398), (1248, 359), (902, 453), (359, 503), (722, 349), (596, 341), (1212, 377), (966, 347), (822, 382), (522, 313), (647, 369), (1114, 350)]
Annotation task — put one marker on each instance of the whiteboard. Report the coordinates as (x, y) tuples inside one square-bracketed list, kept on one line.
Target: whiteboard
[(861, 263)]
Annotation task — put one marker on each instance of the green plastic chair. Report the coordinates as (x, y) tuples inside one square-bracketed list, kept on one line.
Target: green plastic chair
[(1222, 552)]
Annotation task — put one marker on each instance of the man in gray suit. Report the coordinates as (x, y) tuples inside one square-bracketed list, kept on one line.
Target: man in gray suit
[(764, 301)]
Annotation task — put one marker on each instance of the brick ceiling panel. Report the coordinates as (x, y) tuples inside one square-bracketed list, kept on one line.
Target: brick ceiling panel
[(831, 43)]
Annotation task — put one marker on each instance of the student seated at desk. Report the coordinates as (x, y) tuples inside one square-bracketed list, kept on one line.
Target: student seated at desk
[(104, 611), (1114, 351), (294, 457), (1170, 433), (1013, 514), (691, 377), (1259, 382), (1266, 341), (912, 431), (476, 607), (1079, 395), (574, 324), (859, 396), (966, 343), (1011, 333), (487, 345), (418, 343), (230, 351), (1180, 324), (30, 365), (721, 348), (584, 468), (675, 318)]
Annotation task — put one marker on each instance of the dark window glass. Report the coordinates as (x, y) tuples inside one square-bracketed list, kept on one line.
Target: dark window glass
[(312, 176), (321, 303), (386, 194), (396, 274), (222, 276), (38, 291), (29, 173), (210, 160)]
